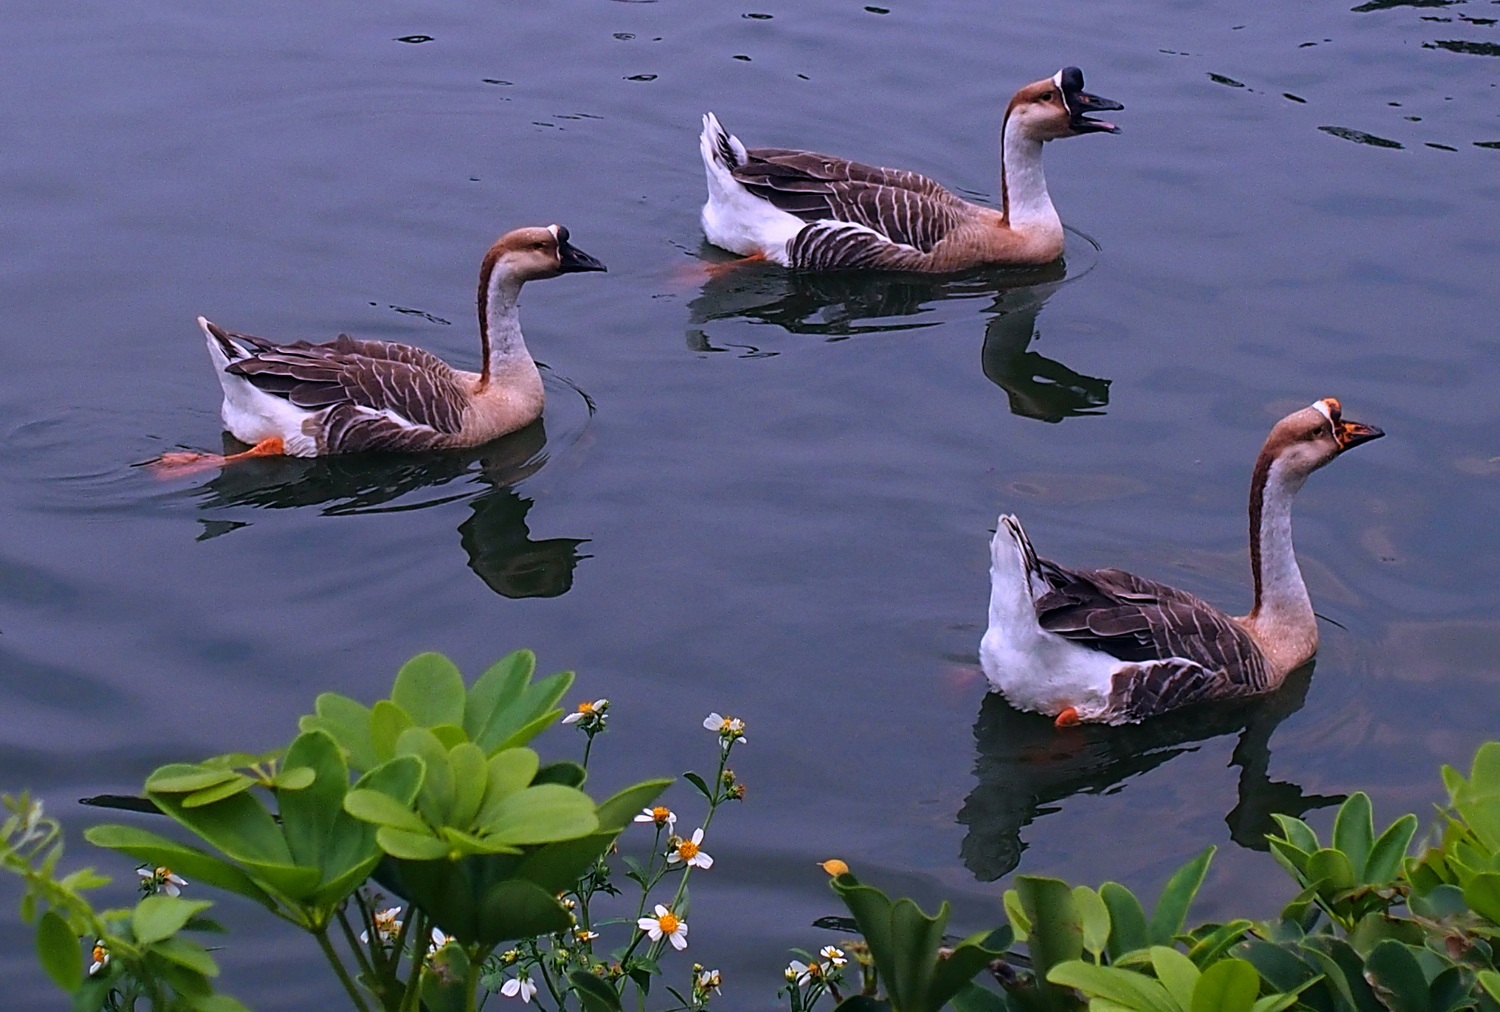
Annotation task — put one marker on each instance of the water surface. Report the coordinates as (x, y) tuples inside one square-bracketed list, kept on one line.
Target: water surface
[(760, 494)]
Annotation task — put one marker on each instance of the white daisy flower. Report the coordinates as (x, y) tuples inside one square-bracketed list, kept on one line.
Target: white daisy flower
[(518, 987), (661, 815), (584, 935), (799, 972), (387, 926), (101, 957), (162, 880), (709, 980), (691, 852), (665, 923), (731, 730), (439, 939), (833, 954), (587, 711)]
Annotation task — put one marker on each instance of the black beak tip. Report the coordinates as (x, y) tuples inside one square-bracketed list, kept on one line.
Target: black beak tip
[(573, 259)]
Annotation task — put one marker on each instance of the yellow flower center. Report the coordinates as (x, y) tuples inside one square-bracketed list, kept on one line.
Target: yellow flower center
[(661, 815), (585, 707), (99, 953), (687, 850), (668, 923)]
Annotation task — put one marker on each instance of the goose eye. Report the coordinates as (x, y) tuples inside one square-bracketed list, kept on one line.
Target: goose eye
[(1045, 97)]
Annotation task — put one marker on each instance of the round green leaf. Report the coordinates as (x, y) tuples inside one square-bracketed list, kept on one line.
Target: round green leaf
[(1230, 985), (541, 815), (411, 846), (218, 792), (181, 778), (384, 810), (158, 917), (297, 778), (431, 690), (57, 949)]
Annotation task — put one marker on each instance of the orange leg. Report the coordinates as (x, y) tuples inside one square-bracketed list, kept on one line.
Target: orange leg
[(693, 273), (721, 269), (1067, 718), (179, 463)]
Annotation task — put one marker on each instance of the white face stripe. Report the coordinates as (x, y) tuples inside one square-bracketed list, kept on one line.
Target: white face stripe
[(1322, 407), (1057, 79), (553, 230)]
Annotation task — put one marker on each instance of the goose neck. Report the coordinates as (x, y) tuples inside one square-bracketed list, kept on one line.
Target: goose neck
[(1282, 612), (1023, 186), (500, 337)]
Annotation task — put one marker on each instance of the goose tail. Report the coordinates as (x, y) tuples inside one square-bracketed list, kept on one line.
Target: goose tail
[(1016, 579), (220, 344), (720, 148)]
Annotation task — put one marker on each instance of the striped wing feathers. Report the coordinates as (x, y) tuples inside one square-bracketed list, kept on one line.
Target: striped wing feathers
[(406, 386), (1182, 648), (905, 207)]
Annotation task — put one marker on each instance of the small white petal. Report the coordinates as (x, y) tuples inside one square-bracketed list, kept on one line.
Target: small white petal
[(713, 722), (661, 911), (702, 860), (572, 718)]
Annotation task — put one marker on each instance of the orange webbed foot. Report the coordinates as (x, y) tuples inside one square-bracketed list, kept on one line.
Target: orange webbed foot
[(1067, 718), (718, 270), (179, 463)]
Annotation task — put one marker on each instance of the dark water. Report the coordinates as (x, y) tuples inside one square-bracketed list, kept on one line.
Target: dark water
[(779, 502)]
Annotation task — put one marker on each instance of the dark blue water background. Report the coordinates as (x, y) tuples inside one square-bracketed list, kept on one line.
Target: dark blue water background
[(779, 506)]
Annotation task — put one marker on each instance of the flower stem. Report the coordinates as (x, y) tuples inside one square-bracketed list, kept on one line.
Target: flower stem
[(338, 968)]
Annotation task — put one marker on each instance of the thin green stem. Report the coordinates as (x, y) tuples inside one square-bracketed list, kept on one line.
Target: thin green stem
[(418, 958), (338, 968), (354, 946)]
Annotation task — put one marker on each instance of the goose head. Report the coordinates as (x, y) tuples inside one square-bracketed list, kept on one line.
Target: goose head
[(1306, 440), (530, 254), (1055, 107)]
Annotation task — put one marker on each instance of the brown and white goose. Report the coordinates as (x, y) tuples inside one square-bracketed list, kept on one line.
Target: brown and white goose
[(308, 400), (1104, 645), (816, 212)]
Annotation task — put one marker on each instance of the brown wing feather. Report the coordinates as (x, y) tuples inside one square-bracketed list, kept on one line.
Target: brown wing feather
[(905, 207), (345, 375), (1145, 622)]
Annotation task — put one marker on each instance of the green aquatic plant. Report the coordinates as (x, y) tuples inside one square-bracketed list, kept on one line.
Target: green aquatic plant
[(135, 954), (436, 796)]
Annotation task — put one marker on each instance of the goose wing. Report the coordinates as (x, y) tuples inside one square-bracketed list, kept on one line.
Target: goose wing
[(1181, 648), (372, 390), (904, 207)]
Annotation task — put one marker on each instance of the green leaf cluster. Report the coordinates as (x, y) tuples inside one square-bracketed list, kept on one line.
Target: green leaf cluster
[(906, 945), (144, 954), (1356, 874)]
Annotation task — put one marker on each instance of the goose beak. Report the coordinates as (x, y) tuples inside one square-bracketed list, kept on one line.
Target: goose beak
[(1078, 101), (1350, 434), (571, 258)]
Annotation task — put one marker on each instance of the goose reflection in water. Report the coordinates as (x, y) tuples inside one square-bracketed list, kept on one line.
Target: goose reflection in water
[(1025, 765), (495, 535), (841, 305)]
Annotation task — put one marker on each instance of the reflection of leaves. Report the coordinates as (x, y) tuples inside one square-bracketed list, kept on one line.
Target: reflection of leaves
[(1024, 766)]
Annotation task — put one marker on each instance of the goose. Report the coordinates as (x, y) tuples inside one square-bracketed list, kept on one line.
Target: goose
[(816, 212), (1107, 646), (347, 395)]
